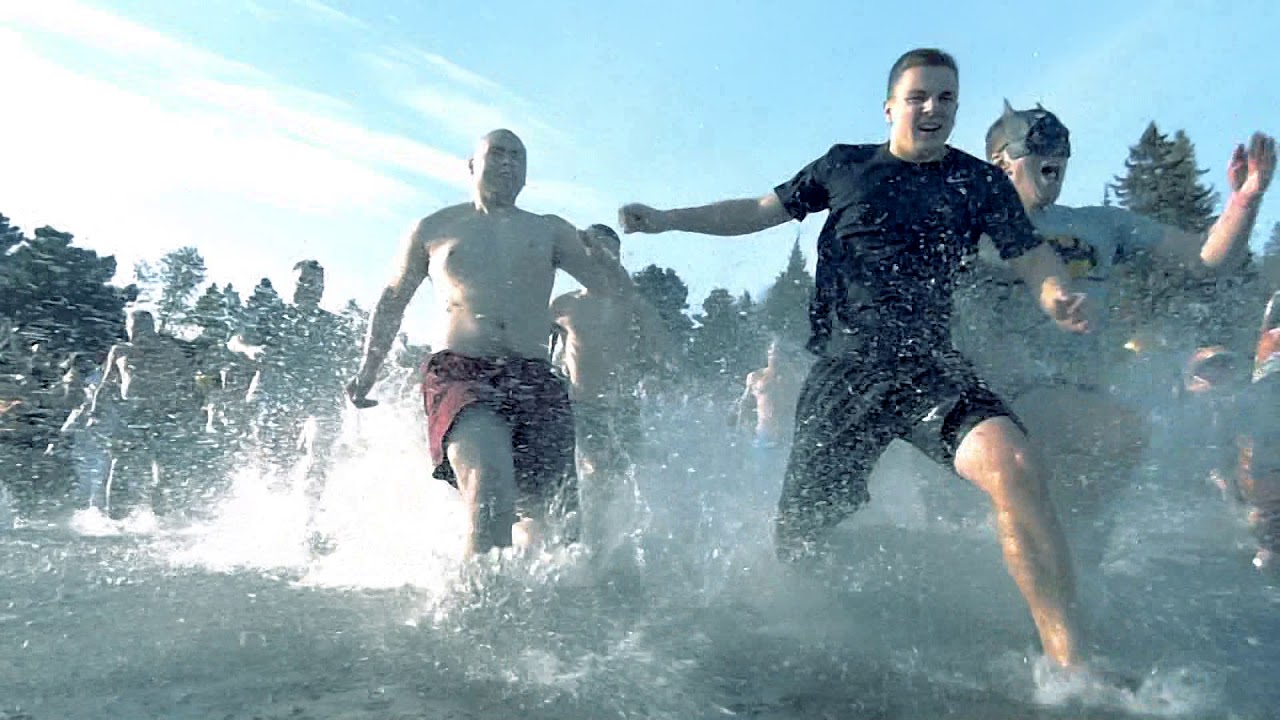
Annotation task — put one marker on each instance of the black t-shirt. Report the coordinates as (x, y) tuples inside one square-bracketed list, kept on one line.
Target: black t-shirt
[(894, 242)]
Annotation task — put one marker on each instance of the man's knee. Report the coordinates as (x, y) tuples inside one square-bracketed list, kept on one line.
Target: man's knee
[(997, 457)]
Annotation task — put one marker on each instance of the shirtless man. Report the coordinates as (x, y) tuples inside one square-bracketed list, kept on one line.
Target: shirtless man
[(152, 385), (499, 423), (770, 397), (1059, 384), (903, 214), (602, 336)]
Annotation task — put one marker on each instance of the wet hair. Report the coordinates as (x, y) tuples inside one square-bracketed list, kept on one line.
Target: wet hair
[(920, 57), (606, 231)]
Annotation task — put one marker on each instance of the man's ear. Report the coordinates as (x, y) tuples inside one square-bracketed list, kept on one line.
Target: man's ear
[(888, 115)]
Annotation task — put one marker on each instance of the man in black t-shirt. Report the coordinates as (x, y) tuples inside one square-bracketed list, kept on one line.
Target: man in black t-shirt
[(902, 216)]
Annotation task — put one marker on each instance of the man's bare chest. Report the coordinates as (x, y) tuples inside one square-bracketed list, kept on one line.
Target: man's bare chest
[(493, 247)]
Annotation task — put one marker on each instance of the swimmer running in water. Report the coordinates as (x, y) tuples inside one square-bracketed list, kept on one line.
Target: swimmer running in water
[(1060, 384), (152, 384), (499, 422), (903, 214), (768, 403), (605, 337)]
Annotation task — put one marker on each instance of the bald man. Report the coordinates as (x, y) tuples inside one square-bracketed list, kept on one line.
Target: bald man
[(499, 422)]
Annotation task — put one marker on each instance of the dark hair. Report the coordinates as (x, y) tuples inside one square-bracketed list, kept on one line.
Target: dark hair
[(308, 266), (606, 230), (920, 57)]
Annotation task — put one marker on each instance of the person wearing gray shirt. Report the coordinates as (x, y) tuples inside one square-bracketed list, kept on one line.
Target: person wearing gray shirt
[(1061, 384)]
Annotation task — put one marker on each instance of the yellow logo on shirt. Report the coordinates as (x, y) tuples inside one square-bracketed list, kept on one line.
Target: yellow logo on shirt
[(1080, 257)]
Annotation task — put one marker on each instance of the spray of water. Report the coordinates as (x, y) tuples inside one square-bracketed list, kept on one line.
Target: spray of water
[(677, 608)]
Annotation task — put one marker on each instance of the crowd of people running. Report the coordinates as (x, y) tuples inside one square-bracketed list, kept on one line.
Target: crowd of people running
[(958, 307)]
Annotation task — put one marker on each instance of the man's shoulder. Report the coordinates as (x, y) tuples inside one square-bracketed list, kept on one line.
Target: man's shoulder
[(847, 154), (972, 166), (433, 223), (552, 221)]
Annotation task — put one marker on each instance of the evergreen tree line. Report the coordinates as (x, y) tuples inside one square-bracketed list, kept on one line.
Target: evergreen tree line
[(173, 287), (61, 295)]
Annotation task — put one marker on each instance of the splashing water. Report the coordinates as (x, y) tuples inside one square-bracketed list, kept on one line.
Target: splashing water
[(679, 611)]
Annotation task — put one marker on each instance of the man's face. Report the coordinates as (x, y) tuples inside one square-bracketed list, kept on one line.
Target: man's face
[(1037, 178), (922, 112), (499, 166)]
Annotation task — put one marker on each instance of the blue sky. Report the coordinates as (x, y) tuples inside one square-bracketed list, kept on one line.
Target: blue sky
[(268, 131)]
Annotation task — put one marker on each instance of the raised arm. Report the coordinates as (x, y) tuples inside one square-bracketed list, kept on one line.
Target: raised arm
[(806, 192), (389, 312), (742, 216), (1225, 246)]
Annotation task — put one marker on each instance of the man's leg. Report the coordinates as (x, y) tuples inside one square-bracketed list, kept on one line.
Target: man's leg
[(479, 450), (996, 456), (845, 419)]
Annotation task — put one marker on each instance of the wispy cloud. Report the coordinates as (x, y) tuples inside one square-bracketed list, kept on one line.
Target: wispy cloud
[(458, 101), (139, 141), (98, 29), (330, 14)]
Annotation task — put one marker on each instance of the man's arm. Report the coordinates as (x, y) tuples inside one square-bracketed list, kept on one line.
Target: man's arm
[(1043, 272), (742, 216), (384, 323), (1225, 246), (559, 332), (596, 271), (745, 405), (108, 377)]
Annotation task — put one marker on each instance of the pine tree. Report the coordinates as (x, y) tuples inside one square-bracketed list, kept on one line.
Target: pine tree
[(1272, 246), (232, 306), (669, 296), (1269, 263), (786, 305), (718, 345), (1161, 181), (59, 294), (147, 279), (755, 338), (264, 313), (181, 273), (210, 315), (355, 318)]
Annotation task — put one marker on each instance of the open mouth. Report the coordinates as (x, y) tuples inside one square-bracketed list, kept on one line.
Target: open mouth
[(1051, 171), (929, 128)]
